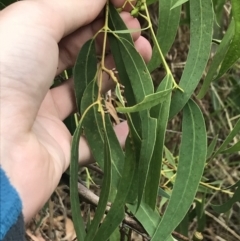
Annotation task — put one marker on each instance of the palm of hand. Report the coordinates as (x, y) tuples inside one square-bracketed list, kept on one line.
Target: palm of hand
[(35, 144)]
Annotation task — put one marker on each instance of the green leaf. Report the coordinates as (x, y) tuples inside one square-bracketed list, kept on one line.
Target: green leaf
[(93, 124), (232, 149), (161, 113), (115, 22), (201, 217), (137, 80), (93, 130), (183, 226), (233, 53), (201, 29), (219, 11), (228, 205), (124, 79), (141, 83), (162, 193), (131, 197), (179, 3), (146, 216), (136, 69), (74, 198), (85, 69), (116, 150), (117, 212), (169, 156), (167, 29), (84, 72), (211, 147), (75, 205), (115, 236), (217, 60), (147, 148), (105, 191), (149, 2), (229, 138), (147, 103), (192, 158)]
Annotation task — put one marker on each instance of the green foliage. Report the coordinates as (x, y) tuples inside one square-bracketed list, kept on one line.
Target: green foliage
[(80, 231), (201, 29), (168, 23), (217, 60), (161, 113), (131, 177), (179, 3), (192, 158)]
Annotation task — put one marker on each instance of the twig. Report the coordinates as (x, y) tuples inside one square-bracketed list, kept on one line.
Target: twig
[(95, 168), (88, 196), (180, 236), (223, 225)]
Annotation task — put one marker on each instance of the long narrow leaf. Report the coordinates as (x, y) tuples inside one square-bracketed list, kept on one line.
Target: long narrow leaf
[(117, 212), (232, 149), (149, 2), (85, 69), (233, 53), (74, 198), (147, 147), (148, 102), (228, 205), (105, 191), (167, 29), (93, 130), (138, 84), (142, 85), (161, 112), (229, 138), (179, 3), (136, 69), (86, 58), (217, 60), (115, 22), (201, 29), (146, 216), (192, 158), (211, 147), (106, 185)]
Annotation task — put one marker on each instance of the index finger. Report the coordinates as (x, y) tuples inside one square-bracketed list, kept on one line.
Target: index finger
[(68, 15)]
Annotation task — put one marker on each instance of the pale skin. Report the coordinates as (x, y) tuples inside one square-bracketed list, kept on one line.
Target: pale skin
[(40, 39)]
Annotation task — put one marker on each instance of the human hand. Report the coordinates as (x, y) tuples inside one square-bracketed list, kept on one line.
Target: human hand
[(40, 39)]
